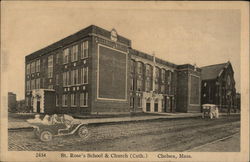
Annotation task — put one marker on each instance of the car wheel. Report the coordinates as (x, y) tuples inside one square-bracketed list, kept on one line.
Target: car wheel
[(211, 116), (83, 132), (46, 136)]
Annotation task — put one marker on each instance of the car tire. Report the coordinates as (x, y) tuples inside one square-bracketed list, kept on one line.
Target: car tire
[(211, 115), (83, 132), (46, 136)]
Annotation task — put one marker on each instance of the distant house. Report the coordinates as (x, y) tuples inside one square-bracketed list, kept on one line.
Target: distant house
[(11, 102), (218, 86)]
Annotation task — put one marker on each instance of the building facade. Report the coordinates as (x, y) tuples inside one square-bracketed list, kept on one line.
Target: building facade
[(97, 71), (218, 86), (11, 102), (20, 104)]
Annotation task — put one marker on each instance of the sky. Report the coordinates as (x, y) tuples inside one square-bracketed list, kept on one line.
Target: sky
[(179, 34)]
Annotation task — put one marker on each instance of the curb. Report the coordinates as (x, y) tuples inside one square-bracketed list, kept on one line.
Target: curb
[(114, 122)]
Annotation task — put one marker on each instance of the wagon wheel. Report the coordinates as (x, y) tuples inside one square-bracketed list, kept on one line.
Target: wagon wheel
[(83, 132), (46, 136)]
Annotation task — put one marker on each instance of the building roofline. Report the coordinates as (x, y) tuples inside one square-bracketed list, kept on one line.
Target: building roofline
[(161, 61), (66, 40), (215, 64)]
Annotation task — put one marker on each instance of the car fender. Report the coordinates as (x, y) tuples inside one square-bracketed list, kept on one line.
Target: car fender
[(82, 124)]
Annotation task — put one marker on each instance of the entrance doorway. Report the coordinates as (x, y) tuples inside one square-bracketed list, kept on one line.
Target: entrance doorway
[(148, 105), (38, 107), (156, 106), (171, 104)]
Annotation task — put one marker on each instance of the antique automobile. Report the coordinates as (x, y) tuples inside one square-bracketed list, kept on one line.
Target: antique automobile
[(45, 131), (210, 110)]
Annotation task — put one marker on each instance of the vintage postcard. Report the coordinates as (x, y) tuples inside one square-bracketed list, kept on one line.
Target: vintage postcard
[(124, 81)]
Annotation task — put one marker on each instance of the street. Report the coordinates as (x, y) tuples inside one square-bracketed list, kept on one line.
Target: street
[(170, 135)]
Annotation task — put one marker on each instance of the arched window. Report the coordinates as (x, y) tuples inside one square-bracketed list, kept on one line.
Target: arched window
[(139, 67)]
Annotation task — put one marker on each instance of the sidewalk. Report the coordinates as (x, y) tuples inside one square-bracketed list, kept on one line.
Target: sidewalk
[(22, 124), (227, 144)]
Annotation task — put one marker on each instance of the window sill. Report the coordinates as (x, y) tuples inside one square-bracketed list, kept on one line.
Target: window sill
[(83, 106)]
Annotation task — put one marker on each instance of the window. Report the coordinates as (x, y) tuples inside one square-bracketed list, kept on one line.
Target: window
[(84, 49), (64, 100), (33, 66), (139, 84), (58, 58), (50, 87), (33, 84), (84, 75), (84, 99), (169, 77), (162, 88), (163, 75), (148, 70), (148, 84), (57, 100), (28, 69), (157, 73), (50, 66), (38, 66), (73, 99), (131, 83), (66, 78), (74, 53), (156, 86), (74, 77), (169, 81), (57, 79), (44, 64), (132, 66), (66, 55), (38, 83), (139, 67), (28, 85)]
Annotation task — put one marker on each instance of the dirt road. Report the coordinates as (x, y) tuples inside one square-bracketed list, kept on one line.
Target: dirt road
[(156, 135)]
